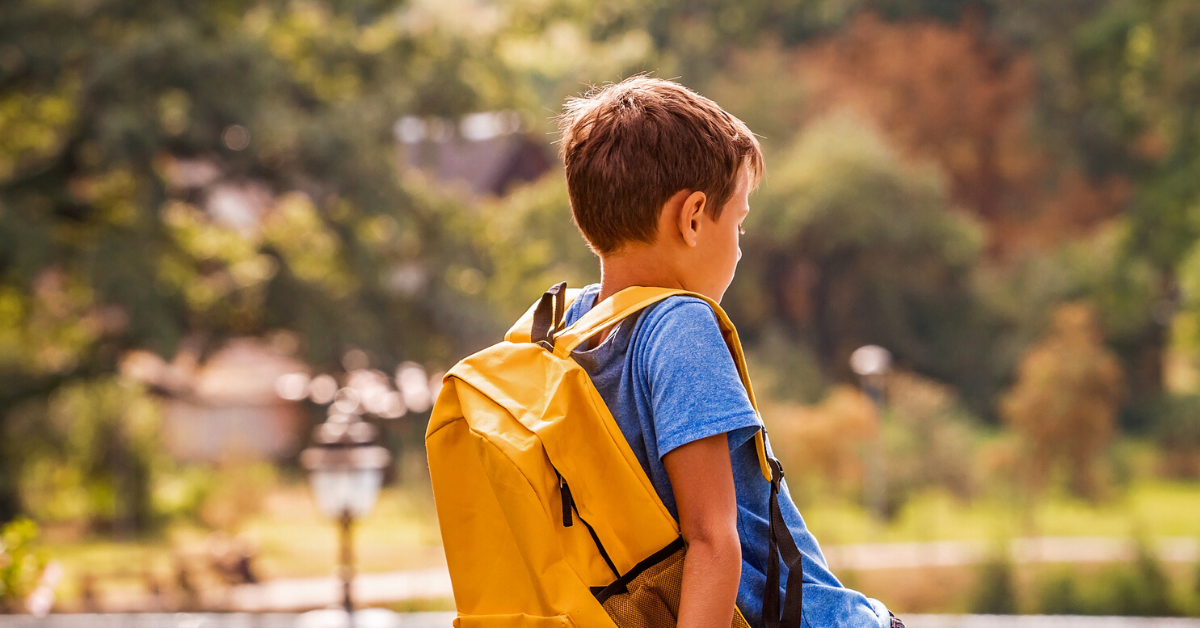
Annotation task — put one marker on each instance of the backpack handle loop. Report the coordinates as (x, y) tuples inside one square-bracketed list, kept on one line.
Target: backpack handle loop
[(609, 312), (548, 317)]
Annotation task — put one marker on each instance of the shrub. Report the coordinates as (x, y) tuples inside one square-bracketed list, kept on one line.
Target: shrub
[(930, 439), (820, 444), (20, 564), (995, 592), (1137, 589), (1059, 595), (1065, 400), (1176, 430), (1141, 589)]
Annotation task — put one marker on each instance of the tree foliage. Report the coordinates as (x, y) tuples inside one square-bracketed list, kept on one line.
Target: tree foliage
[(176, 170), (960, 96), (1065, 401), (848, 245), (941, 175)]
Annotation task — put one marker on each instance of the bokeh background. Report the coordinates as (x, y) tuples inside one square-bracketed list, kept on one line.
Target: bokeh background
[(214, 215)]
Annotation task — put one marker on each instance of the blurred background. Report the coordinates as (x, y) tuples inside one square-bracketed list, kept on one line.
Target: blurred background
[(222, 222)]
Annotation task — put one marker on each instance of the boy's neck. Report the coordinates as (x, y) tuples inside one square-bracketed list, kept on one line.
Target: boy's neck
[(636, 266)]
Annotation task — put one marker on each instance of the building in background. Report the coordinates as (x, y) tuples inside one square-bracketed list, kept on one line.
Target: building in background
[(227, 408), (487, 152)]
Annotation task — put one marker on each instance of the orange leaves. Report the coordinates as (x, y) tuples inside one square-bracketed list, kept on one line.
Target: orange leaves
[(958, 97), (1065, 401)]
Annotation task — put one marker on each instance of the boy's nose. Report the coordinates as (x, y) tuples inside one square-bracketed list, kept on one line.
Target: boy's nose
[(739, 254)]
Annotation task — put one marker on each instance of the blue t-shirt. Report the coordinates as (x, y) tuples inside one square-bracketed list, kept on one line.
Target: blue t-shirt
[(668, 378)]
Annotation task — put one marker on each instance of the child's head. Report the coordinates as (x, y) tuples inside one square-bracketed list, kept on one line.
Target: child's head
[(651, 163)]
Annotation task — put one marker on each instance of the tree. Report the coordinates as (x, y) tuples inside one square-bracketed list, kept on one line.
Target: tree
[(1118, 94), (174, 170), (1064, 403), (961, 96), (848, 245)]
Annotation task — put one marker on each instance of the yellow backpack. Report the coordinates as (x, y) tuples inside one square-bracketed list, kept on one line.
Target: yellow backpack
[(547, 518)]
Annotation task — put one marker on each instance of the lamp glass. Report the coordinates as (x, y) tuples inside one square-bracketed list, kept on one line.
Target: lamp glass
[(346, 490)]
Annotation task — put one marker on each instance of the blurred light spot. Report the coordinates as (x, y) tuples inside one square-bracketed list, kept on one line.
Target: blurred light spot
[(409, 129), (283, 341), (292, 386), (435, 385), (373, 388), (141, 366), (374, 399), (393, 407), (322, 389), (41, 600), (355, 359), (414, 386), (236, 137), (408, 279), (363, 379), (467, 280), (240, 206), (186, 173), (346, 401), (477, 127), (870, 360)]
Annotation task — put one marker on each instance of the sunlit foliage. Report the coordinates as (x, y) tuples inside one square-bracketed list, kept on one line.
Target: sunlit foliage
[(1064, 404)]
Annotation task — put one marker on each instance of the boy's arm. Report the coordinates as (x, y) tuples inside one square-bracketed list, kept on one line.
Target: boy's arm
[(701, 477)]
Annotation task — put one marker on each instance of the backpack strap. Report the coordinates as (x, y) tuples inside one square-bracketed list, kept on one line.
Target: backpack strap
[(632, 300), (781, 545)]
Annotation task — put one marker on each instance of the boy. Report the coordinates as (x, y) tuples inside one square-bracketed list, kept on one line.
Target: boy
[(658, 178)]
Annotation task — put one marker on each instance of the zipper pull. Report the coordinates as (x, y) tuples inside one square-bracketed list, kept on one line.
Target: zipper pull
[(568, 503)]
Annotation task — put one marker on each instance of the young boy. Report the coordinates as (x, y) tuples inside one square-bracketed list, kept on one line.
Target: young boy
[(659, 178)]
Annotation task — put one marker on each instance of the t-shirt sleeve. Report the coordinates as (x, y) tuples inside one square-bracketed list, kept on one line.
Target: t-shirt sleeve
[(694, 387)]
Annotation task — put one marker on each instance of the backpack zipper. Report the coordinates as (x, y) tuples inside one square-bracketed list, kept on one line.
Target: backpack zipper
[(568, 506), (568, 503)]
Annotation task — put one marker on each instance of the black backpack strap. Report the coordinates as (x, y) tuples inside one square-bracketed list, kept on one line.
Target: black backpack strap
[(782, 545), (548, 317)]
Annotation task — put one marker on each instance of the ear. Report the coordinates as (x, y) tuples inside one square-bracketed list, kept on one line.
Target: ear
[(689, 217)]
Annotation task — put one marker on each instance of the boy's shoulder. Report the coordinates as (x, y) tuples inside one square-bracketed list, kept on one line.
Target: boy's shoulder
[(682, 331), (681, 314)]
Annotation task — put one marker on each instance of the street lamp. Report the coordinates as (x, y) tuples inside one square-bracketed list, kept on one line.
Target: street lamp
[(345, 470), (871, 363)]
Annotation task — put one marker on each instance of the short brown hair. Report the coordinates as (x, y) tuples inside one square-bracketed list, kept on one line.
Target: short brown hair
[(629, 146)]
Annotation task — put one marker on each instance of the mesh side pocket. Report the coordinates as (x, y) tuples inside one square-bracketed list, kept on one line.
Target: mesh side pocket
[(648, 596)]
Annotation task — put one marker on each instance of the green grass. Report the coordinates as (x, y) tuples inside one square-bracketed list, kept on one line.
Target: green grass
[(291, 539), (1146, 509)]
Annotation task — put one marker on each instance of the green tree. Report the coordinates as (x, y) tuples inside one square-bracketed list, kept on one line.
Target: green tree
[(174, 170), (1119, 95), (848, 245)]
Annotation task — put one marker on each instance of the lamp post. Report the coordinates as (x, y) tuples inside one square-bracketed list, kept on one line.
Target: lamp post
[(345, 470), (871, 363)]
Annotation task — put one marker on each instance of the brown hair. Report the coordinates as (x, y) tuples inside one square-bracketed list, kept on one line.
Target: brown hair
[(629, 146)]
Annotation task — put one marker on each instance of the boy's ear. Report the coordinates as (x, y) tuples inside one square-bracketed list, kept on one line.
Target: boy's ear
[(689, 216)]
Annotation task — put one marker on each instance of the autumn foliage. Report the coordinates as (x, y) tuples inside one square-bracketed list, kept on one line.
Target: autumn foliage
[(962, 99), (1064, 404)]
